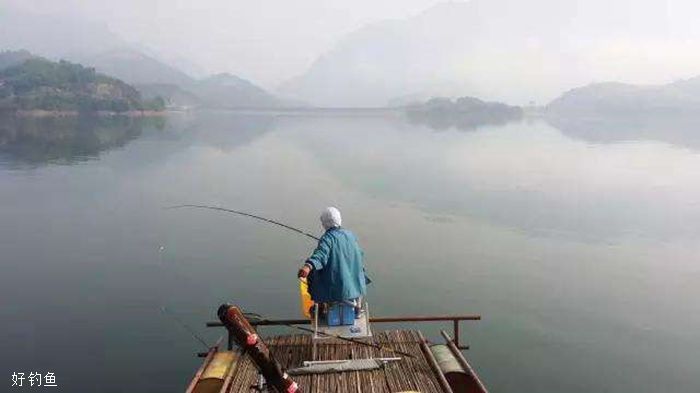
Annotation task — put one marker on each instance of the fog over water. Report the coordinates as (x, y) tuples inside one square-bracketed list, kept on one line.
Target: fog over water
[(569, 218), (268, 41), (581, 256)]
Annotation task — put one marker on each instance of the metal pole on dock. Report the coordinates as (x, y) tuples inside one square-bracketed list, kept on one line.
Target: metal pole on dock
[(410, 318), (455, 319), (434, 364), (462, 361)]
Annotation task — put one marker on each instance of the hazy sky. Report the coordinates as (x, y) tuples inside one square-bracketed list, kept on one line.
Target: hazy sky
[(508, 50), (267, 41)]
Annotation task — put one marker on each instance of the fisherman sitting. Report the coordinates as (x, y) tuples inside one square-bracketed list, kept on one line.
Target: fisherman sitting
[(335, 270)]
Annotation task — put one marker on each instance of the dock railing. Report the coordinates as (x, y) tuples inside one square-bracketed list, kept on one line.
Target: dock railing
[(455, 319)]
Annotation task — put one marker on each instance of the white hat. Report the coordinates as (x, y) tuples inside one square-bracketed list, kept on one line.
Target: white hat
[(330, 218)]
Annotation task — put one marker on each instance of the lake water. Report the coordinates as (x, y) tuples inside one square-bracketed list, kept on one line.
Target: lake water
[(581, 253)]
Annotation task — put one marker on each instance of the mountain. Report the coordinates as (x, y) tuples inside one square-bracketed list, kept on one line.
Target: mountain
[(620, 99), (136, 67), (154, 78), (614, 112), (463, 113), (222, 91), (40, 84), (61, 36), (230, 91), (77, 40), (55, 36), (173, 95), (12, 58), (503, 50)]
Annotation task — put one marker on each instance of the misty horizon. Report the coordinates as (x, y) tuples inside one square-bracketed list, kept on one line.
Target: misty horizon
[(373, 55), (534, 162)]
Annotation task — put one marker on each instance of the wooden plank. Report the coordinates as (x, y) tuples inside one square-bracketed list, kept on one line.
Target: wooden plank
[(229, 377), (434, 366), (404, 375), (198, 374)]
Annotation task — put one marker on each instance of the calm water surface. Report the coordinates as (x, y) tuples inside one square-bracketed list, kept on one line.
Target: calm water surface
[(581, 253)]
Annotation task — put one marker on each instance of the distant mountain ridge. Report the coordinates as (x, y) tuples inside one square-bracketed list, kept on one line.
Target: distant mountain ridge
[(229, 91), (620, 99), (153, 79), (613, 112), (74, 39), (463, 113), (55, 36), (502, 50), (175, 97), (136, 67), (12, 58), (40, 84)]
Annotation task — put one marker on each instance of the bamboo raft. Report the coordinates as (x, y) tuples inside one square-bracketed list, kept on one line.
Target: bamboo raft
[(405, 375), (416, 366), (343, 355)]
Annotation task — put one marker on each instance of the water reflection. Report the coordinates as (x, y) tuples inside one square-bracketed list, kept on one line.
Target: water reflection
[(228, 130), (526, 176), (36, 141), (29, 142), (451, 222), (680, 131), (441, 121)]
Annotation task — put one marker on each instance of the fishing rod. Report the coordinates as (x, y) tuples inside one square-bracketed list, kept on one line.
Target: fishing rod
[(222, 209), (259, 318), (274, 222), (185, 326), (242, 213)]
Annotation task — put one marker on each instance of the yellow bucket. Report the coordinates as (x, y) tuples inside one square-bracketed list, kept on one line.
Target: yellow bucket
[(305, 298)]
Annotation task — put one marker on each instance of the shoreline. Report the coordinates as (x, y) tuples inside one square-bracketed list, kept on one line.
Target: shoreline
[(45, 113)]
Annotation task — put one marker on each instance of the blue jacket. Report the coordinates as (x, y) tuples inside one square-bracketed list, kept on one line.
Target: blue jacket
[(338, 271)]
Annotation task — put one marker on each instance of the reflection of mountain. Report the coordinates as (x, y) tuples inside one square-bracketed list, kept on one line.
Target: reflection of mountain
[(608, 112), (524, 176), (64, 140), (36, 141), (465, 113), (227, 130), (682, 131)]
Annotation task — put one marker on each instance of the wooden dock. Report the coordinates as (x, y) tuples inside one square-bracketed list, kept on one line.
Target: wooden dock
[(409, 374), (394, 361)]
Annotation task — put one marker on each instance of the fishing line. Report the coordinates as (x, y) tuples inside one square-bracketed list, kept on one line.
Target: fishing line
[(254, 216), (185, 326), (291, 228), (174, 273), (222, 209)]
